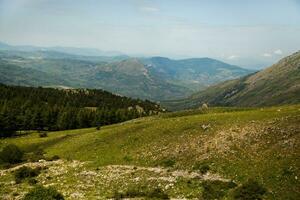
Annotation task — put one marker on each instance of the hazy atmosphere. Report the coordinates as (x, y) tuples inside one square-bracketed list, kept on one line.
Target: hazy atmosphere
[(149, 99), (251, 33)]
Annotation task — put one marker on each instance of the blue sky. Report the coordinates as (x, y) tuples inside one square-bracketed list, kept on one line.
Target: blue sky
[(250, 33)]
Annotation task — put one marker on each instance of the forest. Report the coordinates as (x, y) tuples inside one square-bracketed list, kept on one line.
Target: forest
[(50, 109)]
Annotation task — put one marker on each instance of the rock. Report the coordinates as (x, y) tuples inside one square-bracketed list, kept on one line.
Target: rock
[(205, 126), (204, 106), (139, 109), (77, 195)]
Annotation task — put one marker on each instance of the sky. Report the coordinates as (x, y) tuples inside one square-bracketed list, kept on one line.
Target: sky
[(249, 33)]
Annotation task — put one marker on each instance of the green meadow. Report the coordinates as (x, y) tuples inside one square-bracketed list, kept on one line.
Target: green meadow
[(170, 151)]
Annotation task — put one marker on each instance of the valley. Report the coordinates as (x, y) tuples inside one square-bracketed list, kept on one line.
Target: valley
[(153, 78), (149, 100), (238, 139)]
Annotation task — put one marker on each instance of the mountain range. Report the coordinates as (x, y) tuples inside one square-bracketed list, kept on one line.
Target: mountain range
[(153, 78), (276, 85), (66, 50)]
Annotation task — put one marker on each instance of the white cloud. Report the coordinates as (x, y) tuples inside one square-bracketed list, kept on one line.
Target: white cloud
[(278, 52), (274, 53), (267, 55), (232, 57), (149, 9)]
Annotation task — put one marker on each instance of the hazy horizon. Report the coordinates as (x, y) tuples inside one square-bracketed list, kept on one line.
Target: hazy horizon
[(252, 34)]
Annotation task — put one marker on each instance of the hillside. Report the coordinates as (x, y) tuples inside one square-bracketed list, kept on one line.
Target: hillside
[(204, 154), (154, 78), (14, 75), (276, 85), (28, 108), (194, 73)]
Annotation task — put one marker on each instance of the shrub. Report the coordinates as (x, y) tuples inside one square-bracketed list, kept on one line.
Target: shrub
[(43, 134), (127, 158), (25, 173), (216, 189), (40, 192), (11, 154), (202, 167), (36, 155), (55, 157), (168, 162), (15, 194), (249, 191), (158, 193), (32, 181)]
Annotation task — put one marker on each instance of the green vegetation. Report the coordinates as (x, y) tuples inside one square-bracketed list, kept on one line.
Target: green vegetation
[(156, 193), (203, 167), (195, 73), (240, 144), (168, 162), (43, 134), (34, 154), (249, 190), (26, 173), (11, 154), (27, 108), (216, 189), (276, 85), (146, 78), (40, 192)]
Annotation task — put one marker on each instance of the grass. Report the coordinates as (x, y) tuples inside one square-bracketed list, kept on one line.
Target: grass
[(240, 144)]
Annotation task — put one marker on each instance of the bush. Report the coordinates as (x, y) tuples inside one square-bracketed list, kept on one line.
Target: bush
[(25, 173), (168, 162), (36, 155), (55, 157), (32, 181), (127, 158), (202, 167), (40, 192), (11, 154), (251, 190), (216, 189), (43, 134), (158, 193)]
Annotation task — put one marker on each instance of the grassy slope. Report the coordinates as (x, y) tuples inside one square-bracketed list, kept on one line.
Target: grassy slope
[(276, 85), (240, 144)]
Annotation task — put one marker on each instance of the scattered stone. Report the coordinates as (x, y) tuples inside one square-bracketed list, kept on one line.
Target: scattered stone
[(205, 126)]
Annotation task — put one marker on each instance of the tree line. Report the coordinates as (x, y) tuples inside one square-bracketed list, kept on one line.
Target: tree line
[(49, 109)]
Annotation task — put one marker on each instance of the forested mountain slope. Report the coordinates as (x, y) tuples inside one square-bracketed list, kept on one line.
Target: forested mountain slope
[(28, 108)]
